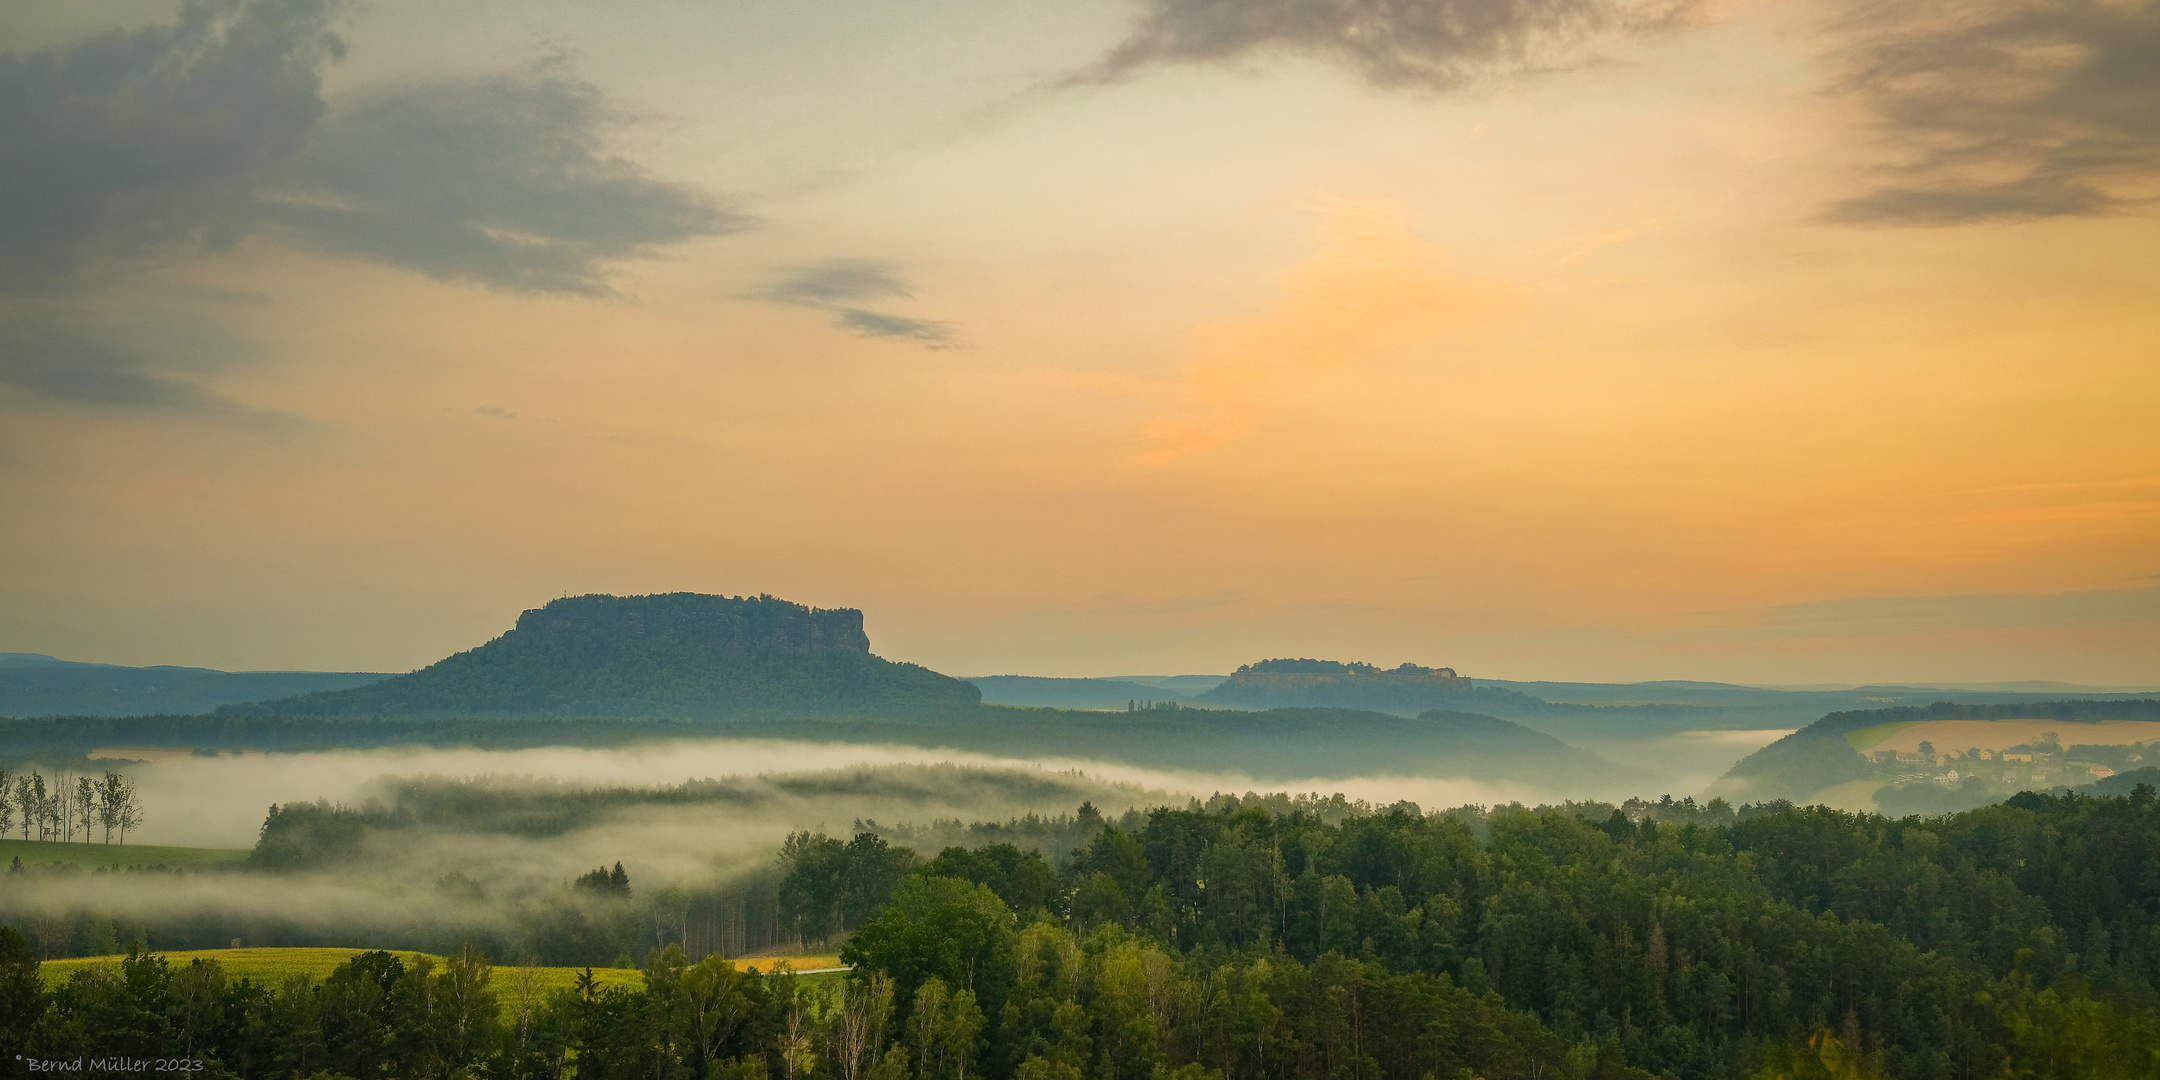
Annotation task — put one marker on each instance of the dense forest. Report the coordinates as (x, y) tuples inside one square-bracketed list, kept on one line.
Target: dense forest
[(1274, 937)]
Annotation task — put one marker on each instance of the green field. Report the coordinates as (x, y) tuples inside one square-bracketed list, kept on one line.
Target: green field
[(90, 856), (1864, 739), (274, 965)]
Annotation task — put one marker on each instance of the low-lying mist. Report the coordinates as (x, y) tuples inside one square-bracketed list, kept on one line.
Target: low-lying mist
[(220, 801), (436, 846)]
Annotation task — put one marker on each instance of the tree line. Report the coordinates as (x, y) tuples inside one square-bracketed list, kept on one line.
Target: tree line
[(1054, 1007), (1300, 939), (70, 805)]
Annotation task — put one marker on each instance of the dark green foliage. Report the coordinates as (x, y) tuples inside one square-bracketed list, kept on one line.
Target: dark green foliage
[(683, 656), (1691, 949), (604, 882), (1306, 667), (939, 928), (1024, 880), (831, 887), (304, 835), (22, 1000), (1318, 939), (2127, 783)]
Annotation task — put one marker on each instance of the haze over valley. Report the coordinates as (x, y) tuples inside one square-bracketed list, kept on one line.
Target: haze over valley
[(1094, 540)]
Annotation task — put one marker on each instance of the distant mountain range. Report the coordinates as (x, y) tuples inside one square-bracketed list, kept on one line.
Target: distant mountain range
[(602, 669), (33, 684), (1571, 710)]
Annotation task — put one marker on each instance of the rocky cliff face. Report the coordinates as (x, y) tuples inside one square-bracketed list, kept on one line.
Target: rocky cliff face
[(733, 625), (1408, 690)]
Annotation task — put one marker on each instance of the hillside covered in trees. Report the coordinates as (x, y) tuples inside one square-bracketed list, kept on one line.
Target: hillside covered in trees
[(673, 656), (1285, 938)]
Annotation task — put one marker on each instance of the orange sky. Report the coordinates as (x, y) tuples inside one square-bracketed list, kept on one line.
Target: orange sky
[(1591, 374)]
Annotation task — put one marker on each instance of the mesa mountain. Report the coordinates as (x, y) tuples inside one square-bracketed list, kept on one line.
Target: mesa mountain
[(673, 656), (602, 670)]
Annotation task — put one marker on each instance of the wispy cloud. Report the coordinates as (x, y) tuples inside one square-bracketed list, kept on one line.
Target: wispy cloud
[(501, 181), (1427, 44), (1370, 283), (2005, 109), (148, 362), (840, 286)]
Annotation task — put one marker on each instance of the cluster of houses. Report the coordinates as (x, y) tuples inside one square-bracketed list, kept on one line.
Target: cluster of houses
[(2019, 766)]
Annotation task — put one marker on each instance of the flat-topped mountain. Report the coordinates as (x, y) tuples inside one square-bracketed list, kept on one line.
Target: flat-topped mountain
[(675, 656), (1406, 690)]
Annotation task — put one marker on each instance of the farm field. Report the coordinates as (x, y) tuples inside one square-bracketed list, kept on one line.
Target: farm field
[(262, 965), (799, 963), (1960, 735), (509, 983), (90, 856)]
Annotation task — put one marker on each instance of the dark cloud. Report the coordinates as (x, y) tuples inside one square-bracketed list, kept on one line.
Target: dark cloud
[(502, 181), (838, 285), (142, 362), (1432, 44), (170, 141), (2006, 109), (142, 141)]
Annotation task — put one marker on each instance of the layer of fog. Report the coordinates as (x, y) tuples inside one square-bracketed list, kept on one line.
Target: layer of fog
[(220, 802), (1690, 760), (783, 786)]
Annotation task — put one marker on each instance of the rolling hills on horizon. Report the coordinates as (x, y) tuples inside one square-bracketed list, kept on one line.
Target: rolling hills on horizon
[(596, 669), (602, 669), (34, 684)]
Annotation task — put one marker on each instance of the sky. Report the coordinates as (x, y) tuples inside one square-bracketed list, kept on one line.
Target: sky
[(1800, 342)]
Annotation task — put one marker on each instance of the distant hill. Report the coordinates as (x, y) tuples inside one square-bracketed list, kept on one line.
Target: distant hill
[(1406, 690), (1041, 692), (1801, 765), (674, 656), (33, 684), (1271, 747)]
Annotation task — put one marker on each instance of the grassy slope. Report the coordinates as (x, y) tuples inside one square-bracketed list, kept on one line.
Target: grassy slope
[(88, 856), (1864, 739)]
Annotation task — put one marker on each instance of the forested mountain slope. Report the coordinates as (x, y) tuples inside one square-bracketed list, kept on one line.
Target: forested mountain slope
[(677, 656)]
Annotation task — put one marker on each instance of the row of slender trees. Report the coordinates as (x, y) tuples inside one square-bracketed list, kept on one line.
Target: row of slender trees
[(69, 806)]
